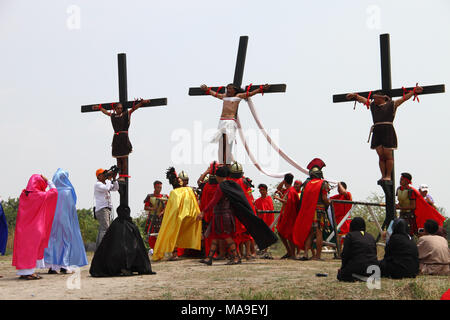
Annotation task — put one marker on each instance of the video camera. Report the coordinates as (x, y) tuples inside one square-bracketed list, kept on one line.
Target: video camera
[(111, 171)]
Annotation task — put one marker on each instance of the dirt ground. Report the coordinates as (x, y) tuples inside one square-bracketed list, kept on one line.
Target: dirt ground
[(187, 279)]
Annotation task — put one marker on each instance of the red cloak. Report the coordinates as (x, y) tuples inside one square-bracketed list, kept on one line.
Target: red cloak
[(425, 211), (207, 194), (341, 209), (288, 214), (303, 223), (266, 204), (34, 222)]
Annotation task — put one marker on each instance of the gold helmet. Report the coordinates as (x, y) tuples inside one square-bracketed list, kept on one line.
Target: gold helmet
[(236, 167), (183, 175)]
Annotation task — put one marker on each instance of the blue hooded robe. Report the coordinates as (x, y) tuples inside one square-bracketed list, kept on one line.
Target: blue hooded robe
[(3, 231), (65, 246)]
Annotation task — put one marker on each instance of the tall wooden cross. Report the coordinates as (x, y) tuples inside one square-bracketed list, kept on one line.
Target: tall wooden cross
[(237, 81), (123, 99), (386, 84)]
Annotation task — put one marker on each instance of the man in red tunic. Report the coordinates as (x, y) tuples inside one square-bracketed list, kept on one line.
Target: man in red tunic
[(341, 209), (310, 221), (265, 203), (288, 214)]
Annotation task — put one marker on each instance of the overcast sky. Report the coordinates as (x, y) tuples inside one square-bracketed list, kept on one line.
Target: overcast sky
[(58, 55)]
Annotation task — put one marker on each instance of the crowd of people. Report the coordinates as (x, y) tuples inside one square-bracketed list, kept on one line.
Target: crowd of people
[(219, 219), (303, 222)]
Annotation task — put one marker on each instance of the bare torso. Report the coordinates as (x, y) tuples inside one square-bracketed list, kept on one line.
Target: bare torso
[(230, 108)]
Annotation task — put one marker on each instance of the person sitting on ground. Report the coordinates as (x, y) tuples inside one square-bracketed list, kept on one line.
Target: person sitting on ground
[(360, 252), (401, 257), (434, 254)]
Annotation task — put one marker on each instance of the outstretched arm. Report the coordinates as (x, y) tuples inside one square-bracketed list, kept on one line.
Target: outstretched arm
[(205, 88), (138, 105), (407, 96), (261, 90), (99, 107), (357, 97)]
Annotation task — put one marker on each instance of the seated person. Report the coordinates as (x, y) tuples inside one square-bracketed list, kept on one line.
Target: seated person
[(360, 252), (401, 258), (434, 254)]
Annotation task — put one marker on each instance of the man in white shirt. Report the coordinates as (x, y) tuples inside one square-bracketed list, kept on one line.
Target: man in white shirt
[(103, 205)]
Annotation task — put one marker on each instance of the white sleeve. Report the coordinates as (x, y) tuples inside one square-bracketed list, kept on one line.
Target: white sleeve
[(115, 186), (51, 185)]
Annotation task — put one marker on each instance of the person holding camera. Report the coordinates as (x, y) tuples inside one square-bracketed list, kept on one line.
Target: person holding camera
[(106, 182)]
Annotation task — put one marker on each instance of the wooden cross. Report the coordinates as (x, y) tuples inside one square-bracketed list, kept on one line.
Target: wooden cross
[(386, 84), (237, 81), (123, 99)]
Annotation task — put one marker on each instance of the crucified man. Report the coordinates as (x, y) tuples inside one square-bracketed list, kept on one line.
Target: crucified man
[(226, 132), (384, 138), (121, 145)]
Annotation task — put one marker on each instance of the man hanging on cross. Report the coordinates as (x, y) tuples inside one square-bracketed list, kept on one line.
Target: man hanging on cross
[(121, 145), (226, 132), (384, 139)]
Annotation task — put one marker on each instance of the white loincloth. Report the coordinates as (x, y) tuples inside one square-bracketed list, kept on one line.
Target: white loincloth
[(228, 127)]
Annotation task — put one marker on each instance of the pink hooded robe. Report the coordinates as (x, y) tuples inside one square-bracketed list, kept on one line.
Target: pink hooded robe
[(33, 223)]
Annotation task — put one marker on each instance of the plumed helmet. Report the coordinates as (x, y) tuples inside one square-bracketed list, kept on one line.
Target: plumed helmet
[(316, 162)]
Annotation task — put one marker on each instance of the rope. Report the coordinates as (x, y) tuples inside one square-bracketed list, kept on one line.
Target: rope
[(272, 144)]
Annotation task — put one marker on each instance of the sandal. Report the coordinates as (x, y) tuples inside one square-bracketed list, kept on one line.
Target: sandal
[(51, 271), (303, 259), (30, 277), (285, 256)]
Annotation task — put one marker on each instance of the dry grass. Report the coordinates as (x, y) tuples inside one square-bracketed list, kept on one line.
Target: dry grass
[(187, 279)]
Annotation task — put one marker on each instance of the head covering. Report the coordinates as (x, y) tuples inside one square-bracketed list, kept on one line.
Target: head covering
[(65, 246), (316, 162), (99, 171), (172, 176), (236, 167), (423, 187), (400, 227), (357, 224), (34, 222), (407, 176), (213, 168), (183, 175), (62, 182), (316, 173)]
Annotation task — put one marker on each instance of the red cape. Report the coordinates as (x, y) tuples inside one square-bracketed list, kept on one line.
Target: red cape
[(341, 209), (34, 222), (288, 214), (305, 217), (266, 204), (425, 211), (207, 194)]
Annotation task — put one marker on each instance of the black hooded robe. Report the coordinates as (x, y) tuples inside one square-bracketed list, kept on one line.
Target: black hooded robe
[(122, 250), (401, 256)]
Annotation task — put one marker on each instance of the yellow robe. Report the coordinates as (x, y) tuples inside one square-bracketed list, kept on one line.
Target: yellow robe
[(179, 227)]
